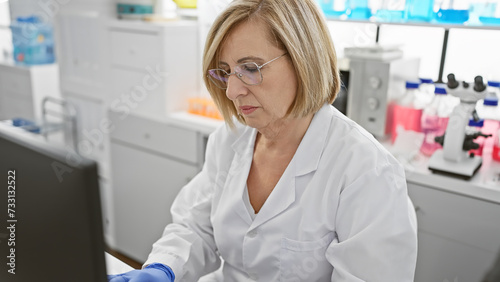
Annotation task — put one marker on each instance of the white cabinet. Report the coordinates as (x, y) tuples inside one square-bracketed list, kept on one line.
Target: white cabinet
[(22, 89), (151, 161), (459, 236), (154, 67)]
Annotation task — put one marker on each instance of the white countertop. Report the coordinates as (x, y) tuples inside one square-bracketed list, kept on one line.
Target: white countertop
[(116, 266), (485, 184)]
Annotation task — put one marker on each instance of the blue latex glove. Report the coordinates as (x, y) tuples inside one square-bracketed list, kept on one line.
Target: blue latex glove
[(155, 272)]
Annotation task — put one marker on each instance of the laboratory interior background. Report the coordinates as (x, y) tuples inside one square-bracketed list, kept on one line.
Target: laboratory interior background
[(120, 82)]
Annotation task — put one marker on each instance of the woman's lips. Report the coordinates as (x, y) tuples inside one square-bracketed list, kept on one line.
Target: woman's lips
[(246, 110)]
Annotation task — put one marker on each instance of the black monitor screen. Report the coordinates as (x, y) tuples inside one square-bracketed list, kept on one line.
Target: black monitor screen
[(50, 213)]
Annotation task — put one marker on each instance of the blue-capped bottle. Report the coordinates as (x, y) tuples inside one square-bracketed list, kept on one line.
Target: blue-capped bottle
[(434, 121), (407, 111), (493, 89)]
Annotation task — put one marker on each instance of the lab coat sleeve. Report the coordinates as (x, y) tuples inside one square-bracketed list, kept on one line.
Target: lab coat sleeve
[(376, 229), (187, 245)]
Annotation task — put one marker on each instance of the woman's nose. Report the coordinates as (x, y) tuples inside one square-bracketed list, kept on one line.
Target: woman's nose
[(235, 87)]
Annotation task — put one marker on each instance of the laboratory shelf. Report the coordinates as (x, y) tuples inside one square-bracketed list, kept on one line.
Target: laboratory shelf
[(421, 24)]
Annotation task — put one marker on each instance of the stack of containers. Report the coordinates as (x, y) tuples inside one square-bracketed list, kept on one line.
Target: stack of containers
[(435, 120), (406, 111), (33, 41)]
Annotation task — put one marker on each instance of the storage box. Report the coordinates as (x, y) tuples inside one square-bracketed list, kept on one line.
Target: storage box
[(33, 41)]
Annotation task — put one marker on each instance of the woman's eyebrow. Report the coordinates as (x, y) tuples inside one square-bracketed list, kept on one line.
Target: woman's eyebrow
[(249, 58)]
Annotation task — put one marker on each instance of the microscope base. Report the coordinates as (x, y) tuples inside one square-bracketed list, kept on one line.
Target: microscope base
[(464, 169)]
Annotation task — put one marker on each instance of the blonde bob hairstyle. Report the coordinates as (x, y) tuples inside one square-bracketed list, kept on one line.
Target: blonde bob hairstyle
[(296, 26)]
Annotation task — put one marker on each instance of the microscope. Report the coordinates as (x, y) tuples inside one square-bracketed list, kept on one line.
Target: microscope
[(454, 158)]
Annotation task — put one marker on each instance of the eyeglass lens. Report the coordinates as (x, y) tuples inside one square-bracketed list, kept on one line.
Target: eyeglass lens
[(249, 73)]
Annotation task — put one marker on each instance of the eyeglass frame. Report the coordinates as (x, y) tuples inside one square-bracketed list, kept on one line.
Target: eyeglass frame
[(239, 75)]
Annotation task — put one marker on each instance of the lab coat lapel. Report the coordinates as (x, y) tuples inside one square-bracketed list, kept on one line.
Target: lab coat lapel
[(305, 160), (238, 172)]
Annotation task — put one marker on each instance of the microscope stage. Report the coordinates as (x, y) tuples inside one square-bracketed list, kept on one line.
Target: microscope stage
[(464, 169)]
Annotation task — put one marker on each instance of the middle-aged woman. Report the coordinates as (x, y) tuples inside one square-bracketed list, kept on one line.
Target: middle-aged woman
[(291, 190)]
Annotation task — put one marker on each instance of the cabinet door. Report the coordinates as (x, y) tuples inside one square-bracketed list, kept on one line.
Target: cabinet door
[(16, 106), (459, 236), (144, 186)]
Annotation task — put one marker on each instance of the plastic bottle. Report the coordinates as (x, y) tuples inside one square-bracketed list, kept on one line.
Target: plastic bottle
[(420, 10), (427, 88), (358, 9), (490, 112), (406, 113), (473, 127), (490, 13), (493, 89), (496, 146), (434, 121), (333, 8), (391, 11), (453, 11)]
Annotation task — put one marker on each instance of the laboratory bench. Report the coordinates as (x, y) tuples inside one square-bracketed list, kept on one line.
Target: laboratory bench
[(458, 220)]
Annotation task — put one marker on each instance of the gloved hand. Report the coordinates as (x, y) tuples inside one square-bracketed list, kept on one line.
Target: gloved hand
[(155, 272)]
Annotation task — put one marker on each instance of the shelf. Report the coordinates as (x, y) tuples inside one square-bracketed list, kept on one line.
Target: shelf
[(422, 24)]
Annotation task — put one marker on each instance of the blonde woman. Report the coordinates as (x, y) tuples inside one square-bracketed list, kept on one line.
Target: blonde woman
[(292, 190)]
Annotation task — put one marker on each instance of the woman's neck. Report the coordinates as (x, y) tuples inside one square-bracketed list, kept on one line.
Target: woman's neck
[(284, 136)]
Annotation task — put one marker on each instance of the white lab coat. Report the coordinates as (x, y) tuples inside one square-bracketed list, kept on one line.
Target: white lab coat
[(340, 212)]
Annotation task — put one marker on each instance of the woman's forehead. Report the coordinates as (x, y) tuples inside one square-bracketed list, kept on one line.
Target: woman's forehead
[(250, 38)]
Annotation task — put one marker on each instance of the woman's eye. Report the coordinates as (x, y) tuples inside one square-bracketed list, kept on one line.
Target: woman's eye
[(250, 68)]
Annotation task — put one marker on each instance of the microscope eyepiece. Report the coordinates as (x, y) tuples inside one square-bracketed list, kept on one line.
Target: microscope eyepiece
[(452, 82), (479, 85)]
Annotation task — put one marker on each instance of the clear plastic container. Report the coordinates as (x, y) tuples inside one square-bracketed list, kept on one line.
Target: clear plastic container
[(406, 113), (33, 41), (489, 14), (419, 10), (333, 8), (358, 9), (452, 11), (473, 127), (391, 11), (434, 121), (481, 9)]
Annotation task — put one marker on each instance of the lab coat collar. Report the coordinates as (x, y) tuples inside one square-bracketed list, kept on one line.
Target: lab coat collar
[(305, 160)]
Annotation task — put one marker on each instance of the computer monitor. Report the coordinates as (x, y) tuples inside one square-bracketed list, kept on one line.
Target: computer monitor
[(50, 213)]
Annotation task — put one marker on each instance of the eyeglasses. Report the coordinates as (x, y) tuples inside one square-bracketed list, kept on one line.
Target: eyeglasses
[(249, 73)]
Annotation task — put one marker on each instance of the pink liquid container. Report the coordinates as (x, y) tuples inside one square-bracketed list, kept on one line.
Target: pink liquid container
[(434, 121), (405, 115), (496, 147)]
